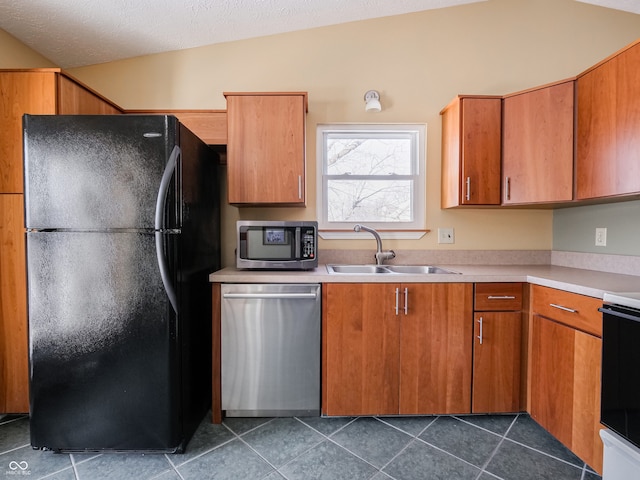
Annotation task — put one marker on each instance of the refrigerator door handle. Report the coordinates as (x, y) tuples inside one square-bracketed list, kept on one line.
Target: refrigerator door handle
[(165, 184)]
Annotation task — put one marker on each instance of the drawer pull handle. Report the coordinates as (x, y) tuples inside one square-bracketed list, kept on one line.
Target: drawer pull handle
[(501, 297), (397, 301), (566, 309), (406, 301)]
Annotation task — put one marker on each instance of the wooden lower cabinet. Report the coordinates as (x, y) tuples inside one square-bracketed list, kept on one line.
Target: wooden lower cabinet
[(497, 362), (497, 348), (565, 372), (382, 359), (14, 371)]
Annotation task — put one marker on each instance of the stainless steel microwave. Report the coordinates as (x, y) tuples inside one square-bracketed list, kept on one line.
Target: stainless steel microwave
[(277, 245)]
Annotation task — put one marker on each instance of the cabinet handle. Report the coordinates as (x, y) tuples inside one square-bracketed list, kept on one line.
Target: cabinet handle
[(397, 301), (507, 188), (406, 301), (479, 337), (468, 194), (501, 297), (566, 309), (300, 187)]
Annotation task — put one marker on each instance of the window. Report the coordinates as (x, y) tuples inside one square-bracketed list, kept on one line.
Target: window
[(371, 174)]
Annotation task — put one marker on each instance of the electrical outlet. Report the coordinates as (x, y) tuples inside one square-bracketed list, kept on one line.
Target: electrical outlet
[(601, 237), (445, 235)]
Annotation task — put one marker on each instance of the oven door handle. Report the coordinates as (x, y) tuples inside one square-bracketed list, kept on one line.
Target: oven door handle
[(609, 311)]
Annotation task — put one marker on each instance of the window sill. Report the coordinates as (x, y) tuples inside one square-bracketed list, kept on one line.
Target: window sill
[(351, 235)]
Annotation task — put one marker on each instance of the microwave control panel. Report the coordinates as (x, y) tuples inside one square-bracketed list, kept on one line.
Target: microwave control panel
[(308, 243)]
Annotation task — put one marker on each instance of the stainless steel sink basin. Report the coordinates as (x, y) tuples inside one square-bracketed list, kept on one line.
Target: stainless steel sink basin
[(417, 269), (357, 269), (388, 269)]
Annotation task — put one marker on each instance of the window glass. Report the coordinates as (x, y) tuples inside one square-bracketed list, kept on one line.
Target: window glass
[(371, 174)]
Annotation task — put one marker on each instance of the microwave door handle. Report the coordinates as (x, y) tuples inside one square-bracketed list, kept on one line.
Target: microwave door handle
[(297, 253)]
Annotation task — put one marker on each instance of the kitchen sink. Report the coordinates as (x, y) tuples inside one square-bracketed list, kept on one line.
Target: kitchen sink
[(417, 269), (388, 269), (357, 269)]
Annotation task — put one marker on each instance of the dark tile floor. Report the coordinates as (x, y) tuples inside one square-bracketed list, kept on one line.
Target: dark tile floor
[(402, 448)]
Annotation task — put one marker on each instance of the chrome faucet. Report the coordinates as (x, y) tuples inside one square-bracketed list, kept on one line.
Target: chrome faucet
[(381, 255)]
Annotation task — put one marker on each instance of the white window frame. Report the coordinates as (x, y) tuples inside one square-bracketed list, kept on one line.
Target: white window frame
[(399, 230)]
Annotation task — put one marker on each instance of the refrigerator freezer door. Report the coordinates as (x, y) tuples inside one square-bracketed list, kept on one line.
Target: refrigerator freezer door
[(97, 172), (102, 339)]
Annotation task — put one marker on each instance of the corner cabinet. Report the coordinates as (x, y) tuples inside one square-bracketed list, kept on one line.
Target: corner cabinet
[(537, 145), (471, 151), (565, 347), (38, 92), (392, 349), (608, 121), (266, 148), (497, 348)]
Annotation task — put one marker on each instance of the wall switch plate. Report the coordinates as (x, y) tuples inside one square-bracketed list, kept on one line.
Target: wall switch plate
[(601, 237), (445, 235)]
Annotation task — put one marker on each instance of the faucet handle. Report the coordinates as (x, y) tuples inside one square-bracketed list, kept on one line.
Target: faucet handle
[(384, 255)]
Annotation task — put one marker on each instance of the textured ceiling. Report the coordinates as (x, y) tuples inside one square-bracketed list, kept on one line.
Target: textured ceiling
[(74, 33)]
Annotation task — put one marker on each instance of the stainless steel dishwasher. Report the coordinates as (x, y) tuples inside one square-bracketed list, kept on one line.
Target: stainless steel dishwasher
[(271, 336)]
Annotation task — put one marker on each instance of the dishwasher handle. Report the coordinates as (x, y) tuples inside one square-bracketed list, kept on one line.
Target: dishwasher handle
[(270, 296)]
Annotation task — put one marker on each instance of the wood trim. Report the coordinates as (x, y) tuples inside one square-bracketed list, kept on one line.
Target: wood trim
[(94, 92), (304, 94), (208, 125), (539, 87), (610, 57), (216, 379)]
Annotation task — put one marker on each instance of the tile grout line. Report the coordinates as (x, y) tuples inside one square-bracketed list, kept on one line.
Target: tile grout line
[(495, 450)]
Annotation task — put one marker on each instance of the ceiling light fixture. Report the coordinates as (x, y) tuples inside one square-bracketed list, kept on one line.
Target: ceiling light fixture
[(372, 101)]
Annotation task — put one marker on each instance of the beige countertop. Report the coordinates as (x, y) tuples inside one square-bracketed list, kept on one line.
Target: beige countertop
[(585, 282)]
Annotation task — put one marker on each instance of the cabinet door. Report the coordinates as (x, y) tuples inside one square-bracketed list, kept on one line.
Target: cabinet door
[(586, 441), (14, 379), (20, 92), (565, 387), (74, 99), (608, 120), (552, 363), (361, 342), (496, 362), (471, 151), (266, 149), (435, 351), (538, 145)]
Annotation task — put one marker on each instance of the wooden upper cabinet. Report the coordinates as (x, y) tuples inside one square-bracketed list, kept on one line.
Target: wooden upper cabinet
[(37, 92), (471, 151), (608, 122), (266, 148), (537, 145)]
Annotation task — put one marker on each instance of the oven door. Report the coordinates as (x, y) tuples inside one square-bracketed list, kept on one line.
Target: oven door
[(620, 400)]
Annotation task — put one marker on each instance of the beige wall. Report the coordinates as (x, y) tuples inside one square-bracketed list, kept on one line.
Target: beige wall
[(15, 54), (418, 62)]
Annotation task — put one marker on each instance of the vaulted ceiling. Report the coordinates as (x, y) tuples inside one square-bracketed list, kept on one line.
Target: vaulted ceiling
[(74, 33)]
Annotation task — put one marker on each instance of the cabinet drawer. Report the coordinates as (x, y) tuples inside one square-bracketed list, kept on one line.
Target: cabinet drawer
[(577, 311), (495, 297)]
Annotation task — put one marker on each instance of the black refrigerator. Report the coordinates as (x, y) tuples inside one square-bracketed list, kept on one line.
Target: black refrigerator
[(122, 225)]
